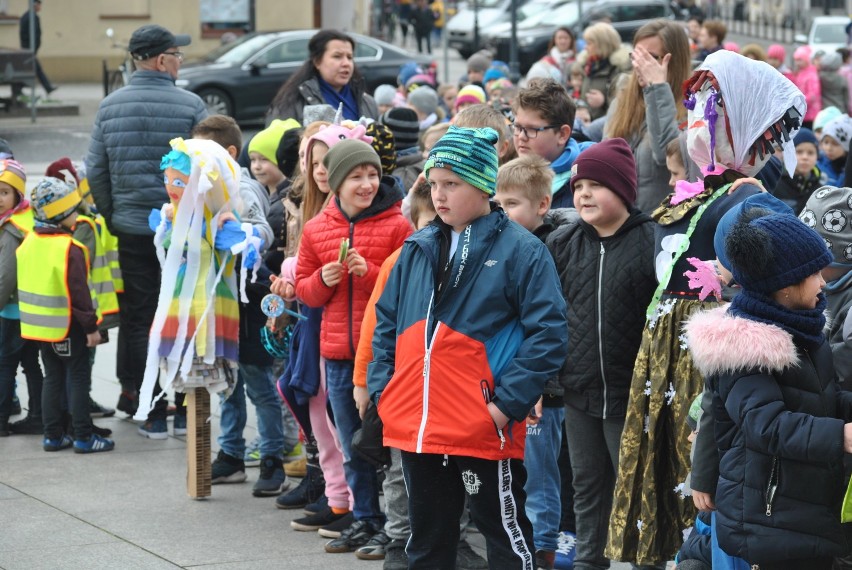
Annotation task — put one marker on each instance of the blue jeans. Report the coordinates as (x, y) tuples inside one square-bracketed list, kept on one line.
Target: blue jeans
[(360, 475), (543, 484), (258, 382)]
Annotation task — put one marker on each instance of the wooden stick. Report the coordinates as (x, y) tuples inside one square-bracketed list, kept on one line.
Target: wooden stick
[(198, 475)]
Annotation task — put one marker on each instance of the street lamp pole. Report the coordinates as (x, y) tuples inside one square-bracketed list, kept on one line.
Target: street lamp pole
[(475, 25), (514, 70)]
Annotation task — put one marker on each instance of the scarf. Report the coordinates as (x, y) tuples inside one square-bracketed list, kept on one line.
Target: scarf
[(335, 98), (22, 205), (805, 325)]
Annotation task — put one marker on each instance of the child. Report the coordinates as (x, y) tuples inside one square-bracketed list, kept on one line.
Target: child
[(823, 118), (606, 315), (405, 127), (469, 95), (479, 116), (779, 414), (776, 56), (456, 407), (834, 145), (430, 137), (710, 38), (833, 85), (654, 458), (523, 192), (795, 190), (52, 265), (424, 101), (806, 77), (16, 221), (576, 82), (365, 211), (544, 116)]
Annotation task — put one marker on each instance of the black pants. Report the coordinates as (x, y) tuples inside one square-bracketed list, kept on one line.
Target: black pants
[(66, 362), (799, 564), (436, 492), (140, 269), (42, 77), (420, 38), (14, 351)]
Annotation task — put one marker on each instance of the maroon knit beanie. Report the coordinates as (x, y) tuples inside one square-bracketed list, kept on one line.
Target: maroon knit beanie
[(611, 164)]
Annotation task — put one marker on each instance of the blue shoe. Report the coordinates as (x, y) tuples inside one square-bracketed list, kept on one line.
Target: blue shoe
[(154, 429), (179, 424), (94, 444), (55, 444)]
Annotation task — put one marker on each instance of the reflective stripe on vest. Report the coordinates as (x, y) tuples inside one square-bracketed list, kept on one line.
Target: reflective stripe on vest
[(101, 273), (43, 296), (111, 248)]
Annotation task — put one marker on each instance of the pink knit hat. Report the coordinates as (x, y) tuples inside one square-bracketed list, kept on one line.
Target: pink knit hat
[(803, 52), (776, 51)]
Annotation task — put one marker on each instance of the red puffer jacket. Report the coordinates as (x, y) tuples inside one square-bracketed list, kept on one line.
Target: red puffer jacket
[(375, 233)]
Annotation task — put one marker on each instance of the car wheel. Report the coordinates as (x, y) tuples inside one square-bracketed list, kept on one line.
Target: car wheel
[(217, 101)]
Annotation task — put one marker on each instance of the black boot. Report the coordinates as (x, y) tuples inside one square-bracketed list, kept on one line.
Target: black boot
[(309, 490)]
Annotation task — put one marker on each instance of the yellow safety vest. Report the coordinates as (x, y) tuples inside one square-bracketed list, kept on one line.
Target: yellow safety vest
[(111, 250), (101, 272), (23, 220), (43, 296)]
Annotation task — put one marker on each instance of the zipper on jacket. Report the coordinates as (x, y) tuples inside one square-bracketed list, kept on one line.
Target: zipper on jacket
[(772, 486), (426, 366), (349, 279), (600, 324)]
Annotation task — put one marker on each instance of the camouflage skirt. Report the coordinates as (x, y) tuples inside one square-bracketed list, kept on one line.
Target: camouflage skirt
[(649, 511)]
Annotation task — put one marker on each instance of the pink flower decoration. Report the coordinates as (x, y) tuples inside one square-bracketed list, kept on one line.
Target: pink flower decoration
[(704, 278), (685, 190)]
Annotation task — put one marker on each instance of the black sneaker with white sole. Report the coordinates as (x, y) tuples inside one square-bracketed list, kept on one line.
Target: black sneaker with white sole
[(272, 481), (318, 520), (353, 538), (227, 469)]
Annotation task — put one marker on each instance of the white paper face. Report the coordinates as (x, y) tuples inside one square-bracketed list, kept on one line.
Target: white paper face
[(698, 139)]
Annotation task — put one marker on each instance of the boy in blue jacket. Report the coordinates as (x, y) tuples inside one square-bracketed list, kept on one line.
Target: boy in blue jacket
[(483, 294)]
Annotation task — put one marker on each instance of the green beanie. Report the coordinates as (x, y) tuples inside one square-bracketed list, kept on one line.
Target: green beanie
[(346, 155), (470, 154), (266, 141)]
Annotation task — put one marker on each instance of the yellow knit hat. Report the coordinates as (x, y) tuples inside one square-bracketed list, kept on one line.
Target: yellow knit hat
[(266, 141), (13, 174)]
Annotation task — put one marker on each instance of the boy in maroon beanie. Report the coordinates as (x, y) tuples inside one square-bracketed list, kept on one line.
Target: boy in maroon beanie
[(605, 263)]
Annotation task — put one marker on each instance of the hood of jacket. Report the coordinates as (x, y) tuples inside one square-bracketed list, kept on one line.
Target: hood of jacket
[(569, 155), (721, 343), (388, 195)]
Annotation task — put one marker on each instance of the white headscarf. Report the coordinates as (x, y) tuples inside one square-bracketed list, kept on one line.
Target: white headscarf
[(754, 98)]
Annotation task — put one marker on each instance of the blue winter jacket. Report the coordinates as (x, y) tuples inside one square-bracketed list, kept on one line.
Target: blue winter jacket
[(496, 333), (132, 131), (563, 197)]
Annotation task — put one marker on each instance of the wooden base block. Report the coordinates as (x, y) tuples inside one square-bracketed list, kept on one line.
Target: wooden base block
[(198, 474)]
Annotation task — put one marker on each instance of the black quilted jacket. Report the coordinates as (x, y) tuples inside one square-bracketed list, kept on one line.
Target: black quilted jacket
[(607, 283)]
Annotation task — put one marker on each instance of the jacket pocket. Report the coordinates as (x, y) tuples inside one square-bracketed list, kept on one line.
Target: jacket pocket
[(772, 485)]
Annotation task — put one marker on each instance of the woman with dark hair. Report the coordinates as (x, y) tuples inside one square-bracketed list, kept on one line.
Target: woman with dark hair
[(330, 77), (649, 107), (556, 63)]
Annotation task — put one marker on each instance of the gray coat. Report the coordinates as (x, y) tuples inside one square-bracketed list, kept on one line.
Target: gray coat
[(649, 146), (10, 238), (309, 94), (132, 131), (255, 207)]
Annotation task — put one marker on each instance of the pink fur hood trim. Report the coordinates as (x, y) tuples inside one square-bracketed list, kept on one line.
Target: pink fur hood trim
[(721, 343)]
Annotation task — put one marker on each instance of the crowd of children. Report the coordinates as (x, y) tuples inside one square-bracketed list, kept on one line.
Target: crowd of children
[(468, 275)]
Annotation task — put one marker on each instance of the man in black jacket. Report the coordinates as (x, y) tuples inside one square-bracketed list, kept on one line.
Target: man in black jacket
[(34, 42)]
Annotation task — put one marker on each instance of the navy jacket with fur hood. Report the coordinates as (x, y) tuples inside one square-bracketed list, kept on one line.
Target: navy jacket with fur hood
[(779, 418)]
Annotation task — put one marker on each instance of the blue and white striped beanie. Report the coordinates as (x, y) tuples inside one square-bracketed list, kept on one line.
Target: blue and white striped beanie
[(470, 154)]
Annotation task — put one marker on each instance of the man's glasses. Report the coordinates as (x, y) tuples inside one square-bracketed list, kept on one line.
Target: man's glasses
[(177, 54), (530, 132)]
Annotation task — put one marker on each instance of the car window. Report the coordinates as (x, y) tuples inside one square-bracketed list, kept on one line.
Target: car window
[(829, 34), (631, 12), (363, 50), (241, 50), (285, 51), (565, 15)]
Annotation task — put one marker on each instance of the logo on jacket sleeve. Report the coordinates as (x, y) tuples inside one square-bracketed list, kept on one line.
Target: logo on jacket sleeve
[(491, 263), (471, 482)]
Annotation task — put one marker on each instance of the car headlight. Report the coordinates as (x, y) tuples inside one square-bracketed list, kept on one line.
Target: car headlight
[(184, 83)]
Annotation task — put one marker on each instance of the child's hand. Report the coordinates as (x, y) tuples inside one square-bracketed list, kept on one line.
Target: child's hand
[(332, 273), (595, 98), (226, 216), (847, 438), (740, 181), (500, 419), (93, 339), (362, 398), (703, 501), (282, 288), (356, 264), (535, 413)]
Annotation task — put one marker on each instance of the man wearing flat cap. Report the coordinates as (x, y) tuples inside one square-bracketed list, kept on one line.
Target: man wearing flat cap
[(131, 134)]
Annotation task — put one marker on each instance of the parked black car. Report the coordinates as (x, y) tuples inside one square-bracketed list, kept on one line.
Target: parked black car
[(241, 79), (626, 16)]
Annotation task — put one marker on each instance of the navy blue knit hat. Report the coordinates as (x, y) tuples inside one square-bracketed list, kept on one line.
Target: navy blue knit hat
[(805, 135), (763, 200), (772, 252), (470, 154)]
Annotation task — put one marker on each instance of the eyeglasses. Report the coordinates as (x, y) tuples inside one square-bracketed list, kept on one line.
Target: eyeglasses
[(530, 132), (177, 54)]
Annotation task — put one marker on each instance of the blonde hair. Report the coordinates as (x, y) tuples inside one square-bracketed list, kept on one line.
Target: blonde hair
[(605, 38), (754, 51), (482, 115), (313, 199), (440, 129), (421, 202), (529, 174), (629, 116)]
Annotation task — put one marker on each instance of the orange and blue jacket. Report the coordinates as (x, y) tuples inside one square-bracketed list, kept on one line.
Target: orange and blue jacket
[(496, 331)]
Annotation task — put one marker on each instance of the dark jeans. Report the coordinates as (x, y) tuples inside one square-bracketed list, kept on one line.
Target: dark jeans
[(42, 77), (593, 444), (436, 492), (140, 269), (13, 351), (66, 361), (420, 39)]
